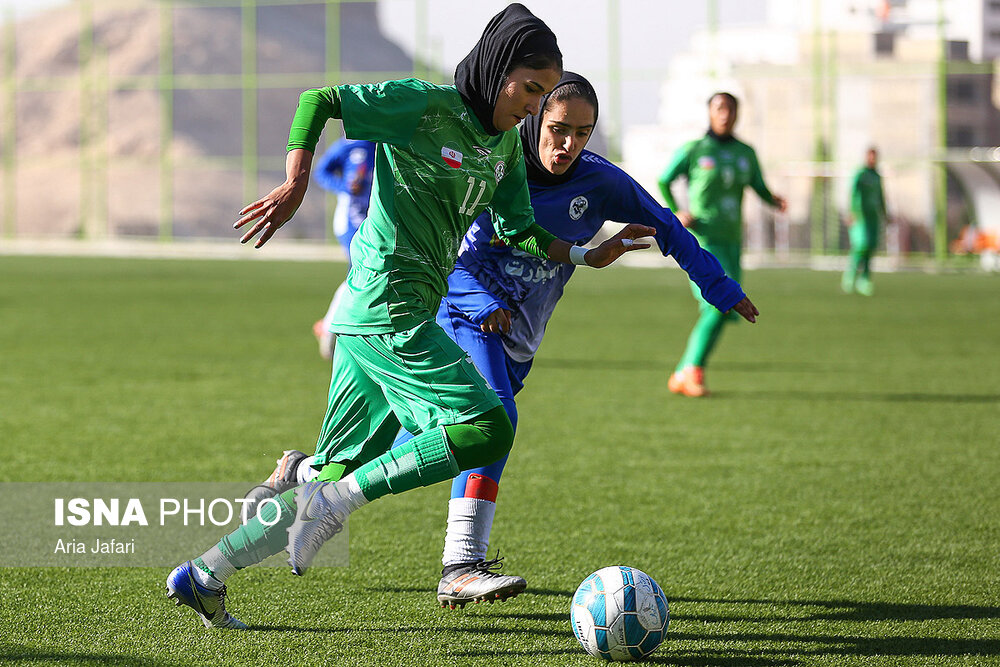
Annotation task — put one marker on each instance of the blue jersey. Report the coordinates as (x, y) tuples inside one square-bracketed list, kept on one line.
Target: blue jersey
[(491, 275), (346, 168)]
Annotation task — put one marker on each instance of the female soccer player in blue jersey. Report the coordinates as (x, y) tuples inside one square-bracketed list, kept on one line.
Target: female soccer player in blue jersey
[(500, 299), (446, 154)]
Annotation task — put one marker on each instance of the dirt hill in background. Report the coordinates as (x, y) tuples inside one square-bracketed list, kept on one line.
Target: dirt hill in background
[(56, 162)]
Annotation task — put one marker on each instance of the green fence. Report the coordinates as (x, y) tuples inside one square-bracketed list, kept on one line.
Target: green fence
[(159, 119)]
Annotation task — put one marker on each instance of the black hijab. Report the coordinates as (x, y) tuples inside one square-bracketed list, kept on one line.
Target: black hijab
[(531, 132), (509, 37)]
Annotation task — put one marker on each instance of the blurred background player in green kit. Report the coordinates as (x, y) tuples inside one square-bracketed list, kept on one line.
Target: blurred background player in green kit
[(867, 214), (718, 166)]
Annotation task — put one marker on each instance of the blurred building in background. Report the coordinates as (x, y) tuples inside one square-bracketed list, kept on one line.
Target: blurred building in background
[(819, 82), (160, 118)]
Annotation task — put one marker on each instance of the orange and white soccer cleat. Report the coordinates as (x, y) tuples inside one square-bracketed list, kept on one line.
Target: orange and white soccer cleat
[(689, 381)]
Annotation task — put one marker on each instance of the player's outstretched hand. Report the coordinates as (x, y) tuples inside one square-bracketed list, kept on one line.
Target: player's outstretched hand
[(618, 245), (497, 322), (747, 310), (270, 212)]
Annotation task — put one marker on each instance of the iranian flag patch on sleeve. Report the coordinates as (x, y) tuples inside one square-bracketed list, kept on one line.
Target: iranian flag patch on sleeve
[(451, 157)]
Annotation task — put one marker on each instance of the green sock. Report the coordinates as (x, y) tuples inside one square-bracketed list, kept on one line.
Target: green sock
[(255, 541), (855, 265), (424, 460), (702, 339), (866, 266)]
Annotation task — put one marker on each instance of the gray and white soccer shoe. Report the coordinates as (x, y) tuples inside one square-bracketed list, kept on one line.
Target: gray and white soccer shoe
[(477, 582), (321, 511)]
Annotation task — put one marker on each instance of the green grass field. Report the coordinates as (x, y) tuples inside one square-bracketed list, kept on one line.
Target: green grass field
[(837, 502)]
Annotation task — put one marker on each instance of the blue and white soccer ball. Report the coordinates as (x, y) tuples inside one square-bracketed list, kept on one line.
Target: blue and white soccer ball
[(619, 613)]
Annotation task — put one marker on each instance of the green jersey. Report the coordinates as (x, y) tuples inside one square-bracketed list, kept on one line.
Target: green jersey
[(867, 198), (436, 170), (717, 171)]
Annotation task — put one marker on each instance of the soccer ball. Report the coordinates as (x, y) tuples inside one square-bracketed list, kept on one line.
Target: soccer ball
[(619, 613)]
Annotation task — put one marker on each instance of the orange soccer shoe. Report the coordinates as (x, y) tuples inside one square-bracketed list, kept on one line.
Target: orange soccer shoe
[(689, 381)]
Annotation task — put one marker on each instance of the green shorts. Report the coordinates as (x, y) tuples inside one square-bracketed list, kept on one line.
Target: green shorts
[(418, 379)]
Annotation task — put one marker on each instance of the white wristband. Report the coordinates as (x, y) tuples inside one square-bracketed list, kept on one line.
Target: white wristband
[(577, 254)]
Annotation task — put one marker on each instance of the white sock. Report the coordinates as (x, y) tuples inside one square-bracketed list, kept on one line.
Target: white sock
[(218, 564), (349, 489), (305, 472), (469, 523)]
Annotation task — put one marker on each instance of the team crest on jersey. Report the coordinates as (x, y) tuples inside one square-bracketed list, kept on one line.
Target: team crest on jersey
[(744, 164), (451, 157), (500, 171), (706, 162), (578, 207)]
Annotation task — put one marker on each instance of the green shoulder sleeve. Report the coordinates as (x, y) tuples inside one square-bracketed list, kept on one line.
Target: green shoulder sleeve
[(316, 106), (387, 112)]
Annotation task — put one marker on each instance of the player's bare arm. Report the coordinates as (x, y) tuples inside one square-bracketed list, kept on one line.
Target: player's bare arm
[(272, 211)]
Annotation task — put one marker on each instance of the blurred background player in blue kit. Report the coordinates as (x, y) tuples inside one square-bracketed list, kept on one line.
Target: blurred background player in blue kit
[(345, 169), (500, 299)]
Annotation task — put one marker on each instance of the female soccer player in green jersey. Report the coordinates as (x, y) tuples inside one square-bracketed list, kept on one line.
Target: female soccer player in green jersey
[(718, 167), (445, 154)]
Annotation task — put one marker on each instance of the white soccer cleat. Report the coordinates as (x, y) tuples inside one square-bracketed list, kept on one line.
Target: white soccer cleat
[(477, 582), (321, 510)]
